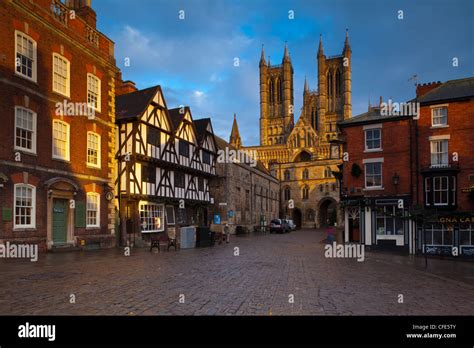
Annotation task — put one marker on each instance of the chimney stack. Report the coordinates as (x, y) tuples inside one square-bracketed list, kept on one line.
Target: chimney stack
[(424, 88), (124, 87), (84, 10)]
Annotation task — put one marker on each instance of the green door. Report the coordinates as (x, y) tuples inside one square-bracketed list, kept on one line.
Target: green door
[(60, 221)]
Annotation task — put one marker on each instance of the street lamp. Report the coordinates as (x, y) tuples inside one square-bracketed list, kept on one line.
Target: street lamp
[(395, 179)]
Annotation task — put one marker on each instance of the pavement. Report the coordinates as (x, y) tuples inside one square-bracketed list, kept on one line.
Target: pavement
[(257, 274)]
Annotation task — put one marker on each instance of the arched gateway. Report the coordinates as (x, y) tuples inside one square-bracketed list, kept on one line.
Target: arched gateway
[(327, 212)]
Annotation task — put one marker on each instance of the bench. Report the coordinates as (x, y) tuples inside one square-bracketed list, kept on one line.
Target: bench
[(162, 238)]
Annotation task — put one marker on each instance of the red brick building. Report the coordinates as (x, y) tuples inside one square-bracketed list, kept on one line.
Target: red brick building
[(378, 179), (445, 148), (57, 77), (424, 160)]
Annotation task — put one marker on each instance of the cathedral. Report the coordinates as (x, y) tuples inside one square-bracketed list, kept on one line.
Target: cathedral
[(303, 156)]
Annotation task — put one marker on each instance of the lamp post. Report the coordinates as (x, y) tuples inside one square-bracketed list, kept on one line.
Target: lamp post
[(395, 179)]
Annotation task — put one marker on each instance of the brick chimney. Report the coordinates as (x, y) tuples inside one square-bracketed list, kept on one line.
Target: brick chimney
[(84, 10), (424, 88), (124, 87)]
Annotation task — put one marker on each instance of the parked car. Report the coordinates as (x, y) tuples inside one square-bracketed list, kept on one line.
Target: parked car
[(279, 226), (291, 224)]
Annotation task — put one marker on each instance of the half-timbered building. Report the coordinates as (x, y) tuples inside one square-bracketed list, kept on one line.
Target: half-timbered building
[(165, 161)]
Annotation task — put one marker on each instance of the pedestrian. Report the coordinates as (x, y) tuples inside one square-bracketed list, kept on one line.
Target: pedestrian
[(330, 234)]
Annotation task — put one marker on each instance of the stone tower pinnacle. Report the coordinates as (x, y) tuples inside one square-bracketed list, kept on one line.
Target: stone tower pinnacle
[(235, 135)]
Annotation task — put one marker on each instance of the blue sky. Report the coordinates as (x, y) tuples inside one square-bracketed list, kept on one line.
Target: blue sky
[(193, 59)]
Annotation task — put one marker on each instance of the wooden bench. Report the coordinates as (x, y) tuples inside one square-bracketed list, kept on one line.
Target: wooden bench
[(162, 238)]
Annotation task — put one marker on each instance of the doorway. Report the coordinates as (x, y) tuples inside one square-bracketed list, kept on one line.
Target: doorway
[(327, 212), (354, 224), (297, 218), (60, 221)]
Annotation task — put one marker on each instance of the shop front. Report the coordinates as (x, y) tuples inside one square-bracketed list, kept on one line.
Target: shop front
[(447, 234), (380, 223)]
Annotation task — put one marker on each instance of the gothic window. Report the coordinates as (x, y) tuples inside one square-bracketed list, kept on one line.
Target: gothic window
[(329, 79), (287, 194), (278, 89), (338, 83), (272, 89), (305, 174), (286, 175), (327, 172), (305, 192)]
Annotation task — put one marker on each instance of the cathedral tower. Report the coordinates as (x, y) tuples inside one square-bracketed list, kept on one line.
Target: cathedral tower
[(276, 100), (334, 85)]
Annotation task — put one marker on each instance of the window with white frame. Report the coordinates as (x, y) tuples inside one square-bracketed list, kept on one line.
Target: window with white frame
[(440, 190), (373, 175), (439, 153), (25, 130), (373, 139), (61, 75), (466, 235), (24, 206), (93, 91), (93, 210), (25, 57), (93, 149), (439, 116), (389, 221), (151, 217), (60, 140), (438, 235)]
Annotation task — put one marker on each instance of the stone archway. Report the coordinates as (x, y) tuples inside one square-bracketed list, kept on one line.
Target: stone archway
[(327, 212)]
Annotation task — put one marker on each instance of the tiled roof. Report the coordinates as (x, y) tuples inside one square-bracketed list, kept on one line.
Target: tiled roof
[(201, 126), (453, 89), (132, 105), (176, 116)]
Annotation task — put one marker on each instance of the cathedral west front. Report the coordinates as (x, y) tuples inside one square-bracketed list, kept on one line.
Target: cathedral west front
[(304, 156)]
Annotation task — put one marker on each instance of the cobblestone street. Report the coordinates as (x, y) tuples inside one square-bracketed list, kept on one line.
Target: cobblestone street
[(259, 281)]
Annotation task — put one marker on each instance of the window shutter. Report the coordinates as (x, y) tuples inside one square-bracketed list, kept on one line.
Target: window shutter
[(80, 214), (6, 214)]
